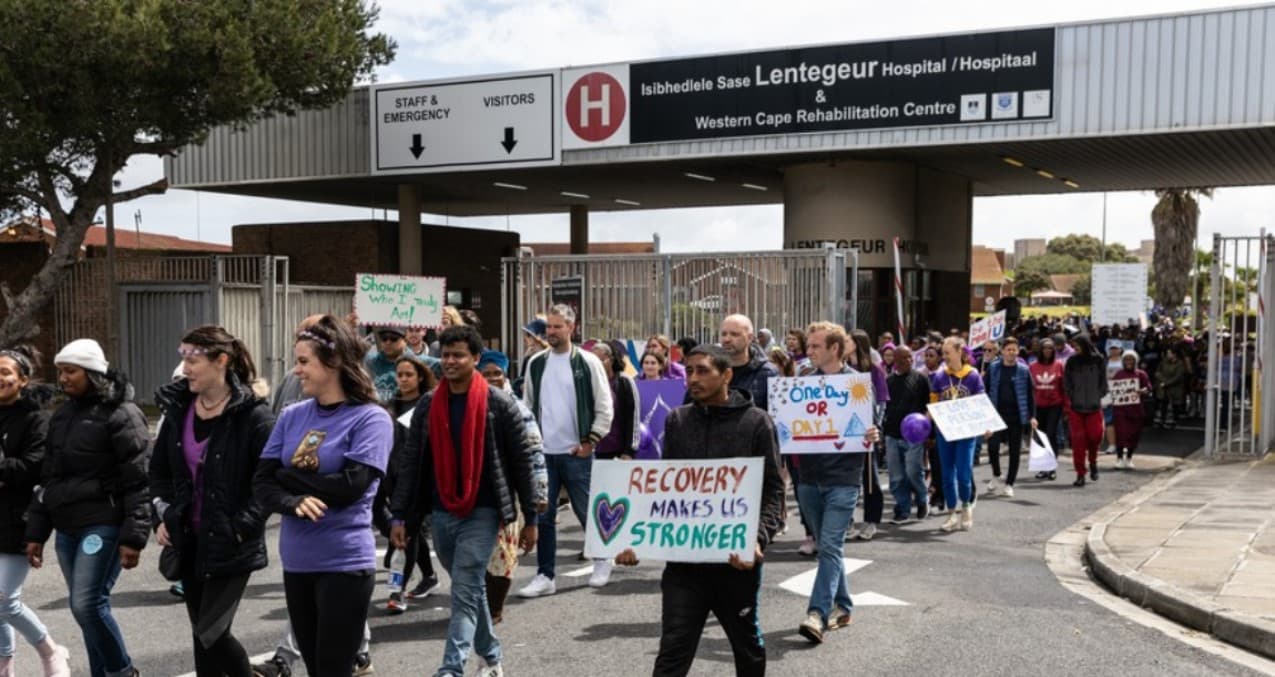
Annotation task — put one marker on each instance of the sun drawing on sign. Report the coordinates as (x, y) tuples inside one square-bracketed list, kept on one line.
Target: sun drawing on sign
[(860, 392)]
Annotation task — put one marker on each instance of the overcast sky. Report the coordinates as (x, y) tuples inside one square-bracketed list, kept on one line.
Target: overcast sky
[(449, 38)]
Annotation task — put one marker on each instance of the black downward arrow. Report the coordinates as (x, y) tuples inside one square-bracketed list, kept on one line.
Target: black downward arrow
[(509, 141), (416, 146)]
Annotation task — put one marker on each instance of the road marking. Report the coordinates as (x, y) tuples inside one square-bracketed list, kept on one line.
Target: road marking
[(259, 658), (803, 582)]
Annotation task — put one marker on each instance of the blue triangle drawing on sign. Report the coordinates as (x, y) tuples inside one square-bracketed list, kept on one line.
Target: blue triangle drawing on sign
[(785, 435), (855, 428)]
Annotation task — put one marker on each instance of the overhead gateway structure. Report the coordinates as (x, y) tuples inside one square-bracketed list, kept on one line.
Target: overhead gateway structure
[(861, 142)]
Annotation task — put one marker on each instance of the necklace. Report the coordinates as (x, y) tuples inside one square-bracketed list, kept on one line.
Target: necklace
[(211, 407)]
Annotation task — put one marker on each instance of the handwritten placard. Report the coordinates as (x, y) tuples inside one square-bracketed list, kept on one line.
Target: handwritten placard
[(1124, 392), (822, 414), (990, 328), (399, 300), (1119, 292), (675, 511), (966, 417)]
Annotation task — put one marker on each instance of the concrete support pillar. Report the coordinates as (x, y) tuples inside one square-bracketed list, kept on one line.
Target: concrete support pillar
[(579, 229), (409, 229)]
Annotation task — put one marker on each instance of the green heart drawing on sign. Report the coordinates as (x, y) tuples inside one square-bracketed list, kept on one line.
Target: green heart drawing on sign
[(609, 516)]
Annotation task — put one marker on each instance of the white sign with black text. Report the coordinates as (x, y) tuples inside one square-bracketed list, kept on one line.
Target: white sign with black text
[(966, 417), (1119, 292), (465, 125)]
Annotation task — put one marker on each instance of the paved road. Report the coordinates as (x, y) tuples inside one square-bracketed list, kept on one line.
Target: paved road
[(976, 603)]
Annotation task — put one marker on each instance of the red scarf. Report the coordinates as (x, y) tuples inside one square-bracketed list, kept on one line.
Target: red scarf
[(459, 497)]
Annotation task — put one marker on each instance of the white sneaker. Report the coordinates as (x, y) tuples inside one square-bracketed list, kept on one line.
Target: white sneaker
[(1120, 464), (807, 547), (540, 586), (1008, 491), (991, 486), (967, 516), (853, 533), (953, 521), (491, 671), (601, 573), (1110, 450), (868, 531), (1128, 464)]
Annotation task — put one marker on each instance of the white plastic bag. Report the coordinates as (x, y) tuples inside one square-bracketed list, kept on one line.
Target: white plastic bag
[(1042, 457)]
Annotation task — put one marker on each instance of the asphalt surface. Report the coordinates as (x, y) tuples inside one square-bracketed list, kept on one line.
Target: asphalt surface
[(976, 603)]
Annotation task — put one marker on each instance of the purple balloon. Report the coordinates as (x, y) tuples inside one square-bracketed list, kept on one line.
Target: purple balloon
[(915, 428)]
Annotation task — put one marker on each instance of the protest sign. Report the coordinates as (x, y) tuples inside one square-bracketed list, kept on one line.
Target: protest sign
[(966, 417), (1124, 392), (990, 328), (1119, 292), (657, 399), (399, 300), (675, 511), (822, 414)]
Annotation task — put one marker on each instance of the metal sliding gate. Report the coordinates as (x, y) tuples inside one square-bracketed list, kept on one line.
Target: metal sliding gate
[(1240, 414), (635, 296)]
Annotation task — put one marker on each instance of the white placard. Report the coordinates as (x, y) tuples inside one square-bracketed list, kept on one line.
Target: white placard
[(465, 125), (822, 414), (990, 328), (675, 511), (966, 417), (1124, 392), (399, 300), (1118, 292)]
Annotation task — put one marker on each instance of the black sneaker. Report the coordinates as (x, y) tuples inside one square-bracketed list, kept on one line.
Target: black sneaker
[(275, 667), (1093, 472), (424, 588), (363, 665), (922, 511)]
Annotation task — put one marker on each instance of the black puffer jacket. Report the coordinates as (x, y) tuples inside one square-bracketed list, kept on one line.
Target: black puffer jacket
[(232, 523), (508, 459), (23, 427), (753, 378), (94, 471)]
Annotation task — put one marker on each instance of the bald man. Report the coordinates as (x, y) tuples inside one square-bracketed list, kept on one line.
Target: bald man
[(749, 369)]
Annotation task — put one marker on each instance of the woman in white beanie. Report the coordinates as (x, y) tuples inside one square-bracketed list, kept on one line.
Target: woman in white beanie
[(1129, 413), (22, 432), (95, 495)]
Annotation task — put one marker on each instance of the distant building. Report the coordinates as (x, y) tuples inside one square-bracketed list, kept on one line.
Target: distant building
[(988, 283), (1145, 252), (1028, 247)]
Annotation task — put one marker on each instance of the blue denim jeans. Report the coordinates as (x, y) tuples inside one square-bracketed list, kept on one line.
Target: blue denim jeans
[(958, 469), (829, 510), (90, 561), (14, 615), (571, 472), (464, 546), (907, 479)]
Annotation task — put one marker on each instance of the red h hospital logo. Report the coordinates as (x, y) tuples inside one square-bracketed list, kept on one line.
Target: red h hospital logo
[(595, 106)]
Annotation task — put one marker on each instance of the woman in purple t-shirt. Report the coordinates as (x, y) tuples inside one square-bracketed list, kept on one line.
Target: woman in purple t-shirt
[(320, 470)]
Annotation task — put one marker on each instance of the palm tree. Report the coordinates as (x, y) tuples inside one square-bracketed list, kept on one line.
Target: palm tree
[(1176, 219)]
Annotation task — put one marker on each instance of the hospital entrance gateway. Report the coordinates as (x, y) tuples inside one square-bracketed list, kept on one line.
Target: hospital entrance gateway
[(861, 142)]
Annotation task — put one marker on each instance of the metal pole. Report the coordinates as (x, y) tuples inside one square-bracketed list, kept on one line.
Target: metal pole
[(1211, 377), (112, 303), (268, 299), (1102, 255), (666, 269), (853, 320)]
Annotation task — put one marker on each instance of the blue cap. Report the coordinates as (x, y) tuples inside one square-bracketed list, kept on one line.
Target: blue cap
[(493, 357), (536, 328)]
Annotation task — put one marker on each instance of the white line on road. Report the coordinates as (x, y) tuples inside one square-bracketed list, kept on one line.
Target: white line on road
[(801, 584)]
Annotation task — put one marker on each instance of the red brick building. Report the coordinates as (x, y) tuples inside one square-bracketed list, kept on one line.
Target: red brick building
[(988, 283)]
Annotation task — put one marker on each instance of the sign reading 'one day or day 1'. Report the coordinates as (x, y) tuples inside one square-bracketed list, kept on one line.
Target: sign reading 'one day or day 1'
[(675, 511), (399, 301), (966, 417), (476, 124), (824, 414)]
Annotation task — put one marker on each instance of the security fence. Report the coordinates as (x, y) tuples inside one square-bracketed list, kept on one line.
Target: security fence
[(1240, 377), (635, 296)]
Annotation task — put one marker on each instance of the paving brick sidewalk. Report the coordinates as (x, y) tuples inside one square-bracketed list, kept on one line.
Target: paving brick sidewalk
[(1198, 546)]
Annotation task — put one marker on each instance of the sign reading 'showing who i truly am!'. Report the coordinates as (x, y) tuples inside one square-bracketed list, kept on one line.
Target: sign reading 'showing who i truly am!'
[(459, 125)]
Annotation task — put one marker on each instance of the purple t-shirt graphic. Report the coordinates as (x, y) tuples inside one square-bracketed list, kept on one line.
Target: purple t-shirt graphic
[(342, 540)]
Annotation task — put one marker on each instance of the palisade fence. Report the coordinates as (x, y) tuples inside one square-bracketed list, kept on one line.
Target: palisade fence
[(1241, 353), (160, 298), (635, 296)]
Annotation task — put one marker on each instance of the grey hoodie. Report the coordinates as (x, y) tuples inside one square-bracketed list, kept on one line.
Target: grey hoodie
[(735, 429)]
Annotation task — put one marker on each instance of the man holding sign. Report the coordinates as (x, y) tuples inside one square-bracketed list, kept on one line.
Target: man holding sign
[(719, 424)]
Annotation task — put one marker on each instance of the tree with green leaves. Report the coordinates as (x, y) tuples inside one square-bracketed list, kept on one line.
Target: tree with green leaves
[(85, 85), (1088, 248), (1176, 219), (1027, 281)]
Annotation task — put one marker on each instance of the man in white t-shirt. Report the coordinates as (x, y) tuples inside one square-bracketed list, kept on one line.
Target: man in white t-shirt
[(568, 391)]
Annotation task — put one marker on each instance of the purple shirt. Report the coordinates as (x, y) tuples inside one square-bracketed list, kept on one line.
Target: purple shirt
[(193, 451), (945, 386), (342, 540)]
